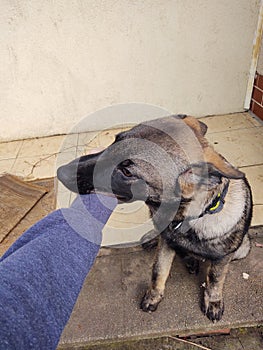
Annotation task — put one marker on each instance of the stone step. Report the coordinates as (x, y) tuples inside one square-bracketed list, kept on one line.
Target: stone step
[(108, 308)]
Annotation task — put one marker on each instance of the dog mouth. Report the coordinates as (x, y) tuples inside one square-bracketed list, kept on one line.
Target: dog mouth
[(78, 185), (88, 189)]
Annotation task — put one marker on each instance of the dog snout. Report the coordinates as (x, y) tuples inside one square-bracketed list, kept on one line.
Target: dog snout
[(67, 174), (77, 175)]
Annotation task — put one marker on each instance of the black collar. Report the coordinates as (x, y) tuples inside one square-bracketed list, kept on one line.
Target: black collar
[(218, 202), (215, 207)]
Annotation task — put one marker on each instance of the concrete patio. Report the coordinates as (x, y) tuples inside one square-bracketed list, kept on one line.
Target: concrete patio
[(108, 307)]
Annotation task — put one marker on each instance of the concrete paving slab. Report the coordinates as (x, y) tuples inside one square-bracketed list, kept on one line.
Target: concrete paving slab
[(108, 308), (238, 339)]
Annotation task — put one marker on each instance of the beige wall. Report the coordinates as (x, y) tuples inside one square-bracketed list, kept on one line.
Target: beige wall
[(62, 60)]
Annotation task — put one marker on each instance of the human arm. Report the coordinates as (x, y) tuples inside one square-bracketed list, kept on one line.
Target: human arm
[(42, 274)]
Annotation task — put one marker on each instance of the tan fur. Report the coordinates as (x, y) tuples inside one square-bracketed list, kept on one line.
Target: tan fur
[(213, 303), (161, 270), (212, 157), (198, 127)]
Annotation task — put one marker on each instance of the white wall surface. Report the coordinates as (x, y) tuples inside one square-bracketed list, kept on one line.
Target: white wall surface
[(61, 60)]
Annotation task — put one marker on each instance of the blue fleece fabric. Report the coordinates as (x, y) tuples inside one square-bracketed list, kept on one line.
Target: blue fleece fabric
[(42, 273)]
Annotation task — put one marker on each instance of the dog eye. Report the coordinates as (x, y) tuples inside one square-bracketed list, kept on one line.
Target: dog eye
[(126, 172)]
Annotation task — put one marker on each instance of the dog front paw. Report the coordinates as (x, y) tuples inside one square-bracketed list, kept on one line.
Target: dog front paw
[(213, 309), (151, 300)]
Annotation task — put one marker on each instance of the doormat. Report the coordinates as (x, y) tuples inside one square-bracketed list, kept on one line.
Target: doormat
[(17, 198)]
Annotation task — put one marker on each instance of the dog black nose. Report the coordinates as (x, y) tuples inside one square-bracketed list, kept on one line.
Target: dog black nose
[(67, 174), (62, 174)]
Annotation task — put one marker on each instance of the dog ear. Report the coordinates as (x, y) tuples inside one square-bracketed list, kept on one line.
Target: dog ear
[(201, 174), (205, 174), (198, 127), (203, 128), (221, 164)]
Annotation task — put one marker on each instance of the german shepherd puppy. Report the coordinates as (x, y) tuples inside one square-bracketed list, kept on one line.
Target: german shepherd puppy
[(200, 204)]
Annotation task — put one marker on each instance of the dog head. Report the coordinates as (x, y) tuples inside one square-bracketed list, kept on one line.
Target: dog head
[(146, 162)]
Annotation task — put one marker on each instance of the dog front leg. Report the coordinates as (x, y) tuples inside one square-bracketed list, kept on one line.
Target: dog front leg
[(213, 304), (160, 273)]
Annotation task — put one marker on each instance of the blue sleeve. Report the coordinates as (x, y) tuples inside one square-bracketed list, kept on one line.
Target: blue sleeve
[(42, 273)]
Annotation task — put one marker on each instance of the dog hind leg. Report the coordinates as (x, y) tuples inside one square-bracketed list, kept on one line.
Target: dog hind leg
[(244, 249), (160, 273)]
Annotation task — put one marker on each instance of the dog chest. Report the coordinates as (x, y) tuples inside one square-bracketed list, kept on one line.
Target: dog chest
[(186, 241)]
